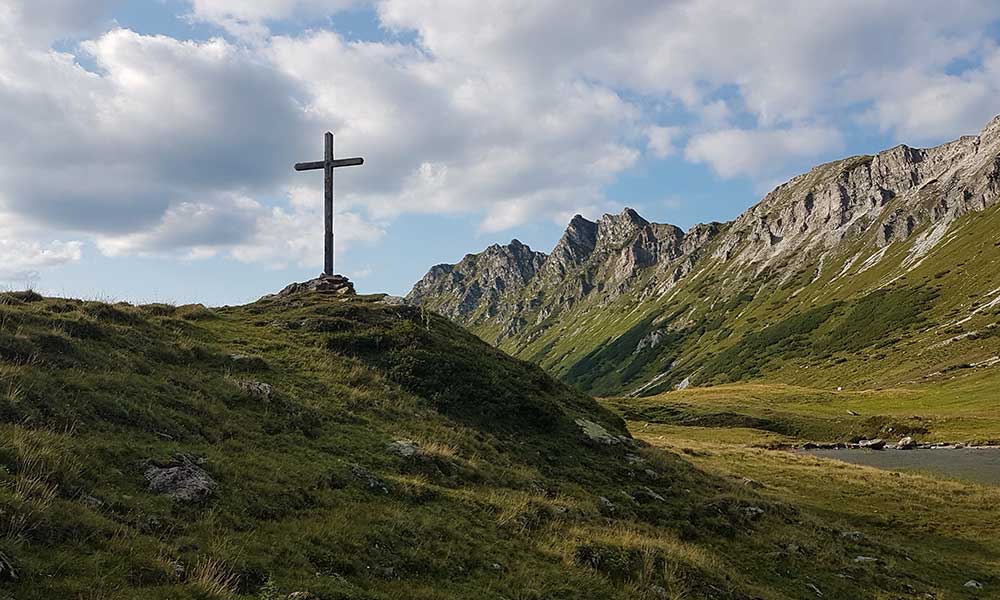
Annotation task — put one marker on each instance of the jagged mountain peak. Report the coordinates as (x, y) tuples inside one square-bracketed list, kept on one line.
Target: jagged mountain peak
[(502, 284), (844, 229), (615, 230)]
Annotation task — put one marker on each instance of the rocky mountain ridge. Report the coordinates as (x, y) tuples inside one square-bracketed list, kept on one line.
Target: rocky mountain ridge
[(842, 231)]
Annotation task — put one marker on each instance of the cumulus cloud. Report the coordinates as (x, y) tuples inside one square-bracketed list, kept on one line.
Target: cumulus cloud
[(248, 20), (933, 106), (40, 22), (759, 152), (660, 140), (512, 111), (290, 236), (23, 259)]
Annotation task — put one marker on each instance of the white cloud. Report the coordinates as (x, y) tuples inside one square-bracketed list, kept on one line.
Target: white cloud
[(786, 62), (291, 237), (512, 111), (660, 140), (757, 152), (23, 259), (249, 20), (935, 106), (39, 22)]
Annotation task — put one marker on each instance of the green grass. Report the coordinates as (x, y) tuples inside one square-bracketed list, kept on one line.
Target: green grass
[(503, 501), (811, 319), (961, 407), (882, 513)]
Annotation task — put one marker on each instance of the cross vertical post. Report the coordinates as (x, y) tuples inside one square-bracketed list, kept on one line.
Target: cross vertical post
[(328, 205), (328, 164)]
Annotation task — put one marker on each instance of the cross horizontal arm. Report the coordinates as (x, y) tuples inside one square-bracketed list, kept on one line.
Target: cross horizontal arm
[(347, 162), (321, 164)]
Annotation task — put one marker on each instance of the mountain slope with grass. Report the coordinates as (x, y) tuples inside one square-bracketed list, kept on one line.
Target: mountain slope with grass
[(865, 272), (317, 446)]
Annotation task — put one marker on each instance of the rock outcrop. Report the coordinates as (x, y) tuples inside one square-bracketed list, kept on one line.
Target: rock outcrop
[(336, 285), (182, 479), (480, 283), (884, 213)]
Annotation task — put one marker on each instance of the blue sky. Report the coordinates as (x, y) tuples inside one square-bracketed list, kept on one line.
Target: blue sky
[(148, 144)]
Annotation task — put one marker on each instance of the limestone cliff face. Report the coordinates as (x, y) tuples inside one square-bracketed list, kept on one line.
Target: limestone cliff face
[(508, 288), (624, 280), (479, 282), (884, 198)]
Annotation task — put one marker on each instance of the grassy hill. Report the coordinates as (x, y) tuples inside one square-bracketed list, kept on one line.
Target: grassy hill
[(348, 448)]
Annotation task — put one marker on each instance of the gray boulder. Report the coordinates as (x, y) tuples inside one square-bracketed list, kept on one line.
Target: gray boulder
[(404, 448), (257, 389), (647, 495), (876, 444), (597, 434), (369, 479), (907, 443), (972, 584), (184, 480), (336, 285), (854, 536)]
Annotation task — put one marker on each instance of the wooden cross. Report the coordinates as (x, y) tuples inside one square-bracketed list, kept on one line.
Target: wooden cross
[(328, 164)]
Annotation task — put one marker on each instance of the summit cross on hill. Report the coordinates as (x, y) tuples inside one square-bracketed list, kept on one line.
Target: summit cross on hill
[(328, 164)]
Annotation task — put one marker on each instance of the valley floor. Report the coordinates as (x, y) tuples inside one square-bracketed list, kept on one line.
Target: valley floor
[(949, 527)]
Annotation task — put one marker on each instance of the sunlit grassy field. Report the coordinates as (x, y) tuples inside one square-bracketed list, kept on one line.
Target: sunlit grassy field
[(964, 407), (745, 432)]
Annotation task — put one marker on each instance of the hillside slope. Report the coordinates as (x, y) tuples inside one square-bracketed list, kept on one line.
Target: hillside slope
[(347, 448), (868, 271)]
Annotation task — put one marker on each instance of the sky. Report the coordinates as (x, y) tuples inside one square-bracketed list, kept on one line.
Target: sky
[(146, 146)]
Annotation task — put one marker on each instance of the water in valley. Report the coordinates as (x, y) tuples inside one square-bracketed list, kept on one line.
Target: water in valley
[(981, 465)]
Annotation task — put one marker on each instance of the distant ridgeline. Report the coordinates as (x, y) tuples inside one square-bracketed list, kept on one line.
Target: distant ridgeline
[(872, 270)]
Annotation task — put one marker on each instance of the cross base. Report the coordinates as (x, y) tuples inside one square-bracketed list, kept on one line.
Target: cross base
[(336, 285)]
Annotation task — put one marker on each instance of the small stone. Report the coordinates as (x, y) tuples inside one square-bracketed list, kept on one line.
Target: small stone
[(634, 459), (257, 389), (651, 474), (184, 481), (865, 559), (972, 584), (907, 443), (404, 448), (248, 363), (91, 501), (596, 433), (371, 481), (647, 495), (607, 506), (876, 444), (854, 536), (302, 596), (337, 285), (815, 589), (752, 483), (496, 567)]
